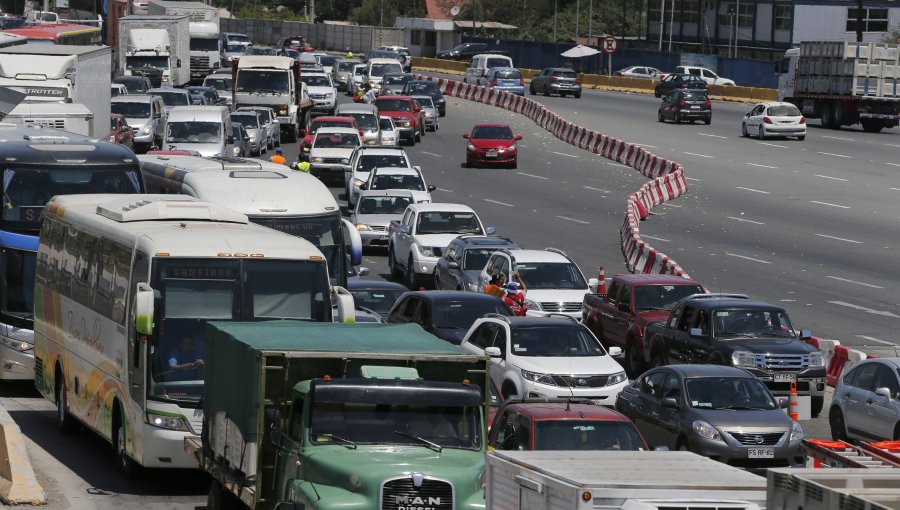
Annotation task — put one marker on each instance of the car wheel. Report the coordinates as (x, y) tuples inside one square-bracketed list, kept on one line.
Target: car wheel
[(392, 264), (659, 116), (531, 89), (410, 275), (707, 120), (547, 90), (762, 133), (744, 130), (67, 425), (683, 445), (656, 359), (508, 390), (816, 404), (801, 138), (514, 164), (577, 95), (836, 421), (633, 358), (656, 93)]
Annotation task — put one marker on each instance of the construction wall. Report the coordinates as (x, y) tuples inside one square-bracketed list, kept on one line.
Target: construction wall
[(320, 35)]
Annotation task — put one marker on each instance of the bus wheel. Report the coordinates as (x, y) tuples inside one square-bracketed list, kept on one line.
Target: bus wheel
[(126, 464), (67, 424)]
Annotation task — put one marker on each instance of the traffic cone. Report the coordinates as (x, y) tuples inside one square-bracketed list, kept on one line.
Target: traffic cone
[(794, 405), (601, 288)]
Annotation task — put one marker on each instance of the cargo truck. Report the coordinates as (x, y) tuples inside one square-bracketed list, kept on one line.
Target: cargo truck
[(327, 416), (833, 488), (156, 47), (71, 117), (274, 82), (843, 83), (628, 480), (61, 74), (203, 27)]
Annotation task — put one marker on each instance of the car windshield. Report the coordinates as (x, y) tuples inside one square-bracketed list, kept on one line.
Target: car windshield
[(396, 79), (259, 82), (551, 275), (249, 121), (131, 110), (365, 121), (319, 124), (425, 102), (193, 132), (398, 181), (316, 80), (326, 60), (785, 110), (383, 205), (699, 95), (133, 86), (359, 70), (383, 69), (346, 66), (219, 84), (564, 74), (336, 140), (496, 62), (235, 48), (173, 98), (508, 75), (728, 393), (386, 124), (378, 300), (260, 51), (443, 222), (563, 341), (420, 87), (393, 105), (461, 314), (751, 323), (492, 133), (662, 297), (369, 162), (586, 435)]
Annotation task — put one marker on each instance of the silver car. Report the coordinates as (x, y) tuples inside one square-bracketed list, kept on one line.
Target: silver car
[(255, 128), (341, 72), (273, 128), (866, 402), (172, 97), (389, 133), (430, 112), (374, 211)]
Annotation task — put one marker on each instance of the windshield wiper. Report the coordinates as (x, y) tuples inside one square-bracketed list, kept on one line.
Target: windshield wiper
[(348, 443), (434, 446), (739, 408)]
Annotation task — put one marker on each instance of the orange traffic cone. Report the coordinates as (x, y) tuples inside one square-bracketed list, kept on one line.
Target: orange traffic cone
[(601, 288), (794, 405)]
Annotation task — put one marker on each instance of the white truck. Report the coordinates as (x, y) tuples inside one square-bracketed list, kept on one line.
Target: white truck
[(155, 46), (833, 488), (61, 74), (274, 82), (205, 44), (843, 83), (627, 480)]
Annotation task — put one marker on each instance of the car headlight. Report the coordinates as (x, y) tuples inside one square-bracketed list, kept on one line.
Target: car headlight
[(282, 111), (533, 305), (616, 378), (816, 360), (426, 251), (167, 422), (538, 378), (706, 430), (473, 287), (318, 160), (796, 432), (345, 161), (362, 226), (16, 345), (429, 114), (253, 136), (145, 130), (471, 147), (306, 149), (744, 359)]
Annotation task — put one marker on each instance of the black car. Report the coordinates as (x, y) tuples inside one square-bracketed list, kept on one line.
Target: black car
[(134, 84), (392, 84), (678, 81), (465, 257), (426, 88), (447, 314), (685, 105), (378, 296), (463, 51)]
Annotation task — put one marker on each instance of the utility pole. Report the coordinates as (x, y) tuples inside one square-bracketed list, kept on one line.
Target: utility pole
[(381, 15), (312, 11), (555, 8), (859, 20), (671, 24), (473, 18), (662, 22), (737, 26), (577, 19), (590, 21)]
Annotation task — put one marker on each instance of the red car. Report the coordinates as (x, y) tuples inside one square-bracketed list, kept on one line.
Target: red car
[(406, 114), (492, 144), (120, 132), (296, 42), (320, 122), (562, 425)]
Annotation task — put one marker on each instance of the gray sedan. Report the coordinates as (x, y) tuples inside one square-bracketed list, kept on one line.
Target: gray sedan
[(375, 209), (556, 80), (724, 413), (273, 128), (430, 112), (255, 128), (866, 402)]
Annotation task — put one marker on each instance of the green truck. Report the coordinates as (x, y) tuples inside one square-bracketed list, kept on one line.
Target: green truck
[(326, 416)]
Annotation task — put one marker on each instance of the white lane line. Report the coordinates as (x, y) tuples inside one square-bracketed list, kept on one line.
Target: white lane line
[(854, 282), (432, 154), (596, 189), (645, 145), (531, 175), (892, 145), (698, 155), (692, 179), (774, 145), (830, 177), (574, 220), (830, 204), (893, 164), (712, 136), (563, 154), (445, 190), (835, 155), (763, 166), (656, 238), (745, 220), (864, 309), (747, 258), (672, 205), (617, 164), (753, 190), (876, 340), (497, 202), (839, 239), (839, 138)]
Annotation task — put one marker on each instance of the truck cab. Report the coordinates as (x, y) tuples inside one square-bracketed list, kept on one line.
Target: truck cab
[(205, 129), (206, 48), (273, 82), (787, 76)]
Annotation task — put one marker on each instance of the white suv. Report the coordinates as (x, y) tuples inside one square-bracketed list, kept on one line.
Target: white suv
[(708, 75), (550, 357), (554, 282), (367, 158)]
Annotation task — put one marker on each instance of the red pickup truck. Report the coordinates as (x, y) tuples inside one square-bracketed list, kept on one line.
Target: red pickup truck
[(632, 301)]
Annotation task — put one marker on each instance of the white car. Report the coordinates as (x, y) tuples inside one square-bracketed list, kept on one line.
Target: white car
[(554, 282), (400, 178), (389, 134), (647, 73), (546, 357), (375, 210), (321, 91), (774, 119), (708, 75), (329, 156), (367, 158), (356, 79)]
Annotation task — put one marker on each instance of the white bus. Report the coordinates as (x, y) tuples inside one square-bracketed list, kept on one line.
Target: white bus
[(269, 194), (124, 287)]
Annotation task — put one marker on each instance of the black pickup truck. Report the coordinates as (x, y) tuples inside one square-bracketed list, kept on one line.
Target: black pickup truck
[(730, 329)]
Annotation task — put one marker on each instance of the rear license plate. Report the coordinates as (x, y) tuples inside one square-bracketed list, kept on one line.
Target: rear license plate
[(785, 377), (695, 107), (490, 154), (761, 453)]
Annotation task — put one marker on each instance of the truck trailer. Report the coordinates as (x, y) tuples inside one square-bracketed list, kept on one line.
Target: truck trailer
[(203, 27), (833, 489), (156, 47)]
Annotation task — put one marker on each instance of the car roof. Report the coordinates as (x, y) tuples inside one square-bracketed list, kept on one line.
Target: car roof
[(487, 124), (366, 193), (476, 241), (333, 118), (380, 98), (314, 73), (451, 295), (395, 170), (559, 410), (691, 371), (537, 320), (775, 103), (500, 69), (381, 151), (442, 206), (890, 361), (331, 130), (374, 285), (135, 98), (527, 256), (420, 96), (654, 279), (165, 89)]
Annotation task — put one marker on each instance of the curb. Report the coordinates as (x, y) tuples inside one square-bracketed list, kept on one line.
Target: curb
[(18, 484)]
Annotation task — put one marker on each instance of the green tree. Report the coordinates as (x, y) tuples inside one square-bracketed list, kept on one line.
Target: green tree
[(892, 38), (369, 12)]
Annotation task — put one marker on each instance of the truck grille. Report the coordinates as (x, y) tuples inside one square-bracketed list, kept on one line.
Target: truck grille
[(757, 439), (199, 62), (782, 362), (555, 306), (584, 381), (402, 493), (333, 161), (317, 96), (377, 228)]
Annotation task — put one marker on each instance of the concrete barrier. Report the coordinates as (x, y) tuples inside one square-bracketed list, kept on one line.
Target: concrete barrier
[(18, 485)]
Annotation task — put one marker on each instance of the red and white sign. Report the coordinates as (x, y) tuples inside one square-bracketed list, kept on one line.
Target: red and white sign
[(609, 45)]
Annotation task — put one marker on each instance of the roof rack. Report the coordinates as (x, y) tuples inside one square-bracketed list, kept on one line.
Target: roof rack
[(483, 236), (557, 250), (716, 295)]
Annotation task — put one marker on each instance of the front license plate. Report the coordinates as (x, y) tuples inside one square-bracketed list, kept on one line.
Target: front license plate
[(490, 155), (785, 377), (337, 169), (761, 453)]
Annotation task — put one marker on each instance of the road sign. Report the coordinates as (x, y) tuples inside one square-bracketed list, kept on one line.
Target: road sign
[(609, 45)]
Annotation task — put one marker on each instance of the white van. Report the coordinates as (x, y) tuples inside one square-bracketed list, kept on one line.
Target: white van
[(376, 68), (205, 129), (480, 64)]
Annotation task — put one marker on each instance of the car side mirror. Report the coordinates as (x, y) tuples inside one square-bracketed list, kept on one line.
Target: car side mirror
[(230, 139), (363, 271), (144, 304), (364, 185), (431, 187), (273, 426), (493, 352), (670, 403), (805, 334), (452, 265), (615, 351), (747, 114), (490, 230), (518, 137), (696, 332), (661, 448), (466, 136), (784, 402), (593, 284), (884, 392), (404, 229)]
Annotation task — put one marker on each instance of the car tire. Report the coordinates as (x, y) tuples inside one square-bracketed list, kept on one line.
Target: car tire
[(392, 264), (546, 91), (707, 120), (659, 116), (682, 445), (837, 425), (762, 133), (656, 93), (577, 95), (801, 138), (816, 405), (514, 164), (409, 277), (418, 136), (508, 390), (635, 363), (531, 89), (437, 280), (744, 132)]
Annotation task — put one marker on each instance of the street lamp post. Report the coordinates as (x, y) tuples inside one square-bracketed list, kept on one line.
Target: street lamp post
[(662, 22), (671, 23), (577, 19)]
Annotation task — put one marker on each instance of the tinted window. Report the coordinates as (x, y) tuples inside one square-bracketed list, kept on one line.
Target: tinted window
[(383, 205), (337, 140), (492, 133), (555, 341), (564, 74), (784, 111), (694, 96), (586, 435), (865, 376), (386, 124), (752, 323), (394, 181), (662, 297), (459, 314), (728, 393), (377, 300), (392, 105), (551, 275), (508, 75)]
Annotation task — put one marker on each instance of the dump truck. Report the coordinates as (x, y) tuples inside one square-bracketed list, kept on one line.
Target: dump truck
[(843, 83), (273, 82), (322, 416), (203, 27), (156, 47)]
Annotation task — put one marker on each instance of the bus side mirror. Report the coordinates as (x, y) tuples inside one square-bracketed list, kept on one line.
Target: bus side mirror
[(143, 304)]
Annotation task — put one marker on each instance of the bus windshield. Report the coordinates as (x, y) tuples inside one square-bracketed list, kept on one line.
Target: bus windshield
[(194, 291), (27, 189), (325, 233)]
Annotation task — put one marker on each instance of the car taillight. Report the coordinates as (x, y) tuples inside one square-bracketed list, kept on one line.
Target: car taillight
[(681, 103), (618, 73), (802, 120), (553, 79), (494, 82), (767, 120), (521, 82), (578, 81), (360, 132), (708, 103)]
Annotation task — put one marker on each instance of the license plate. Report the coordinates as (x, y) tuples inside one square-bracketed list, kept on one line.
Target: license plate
[(761, 453), (383, 238), (490, 154), (695, 107), (337, 169), (785, 377)]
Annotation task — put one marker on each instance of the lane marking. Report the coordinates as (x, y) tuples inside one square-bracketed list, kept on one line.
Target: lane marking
[(672, 205), (747, 258), (644, 145), (878, 340), (445, 190), (574, 220), (830, 204), (839, 138), (864, 309), (692, 179), (753, 190), (563, 154), (698, 155), (892, 145), (839, 239), (712, 136), (497, 202), (893, 164), (656, 238), (596, 189), (532, 175), (745, 220), (830, 177), (617, 164), (896, 189), (854, 282), (432, 154), (835, 155), (763, 166), (774, 145)]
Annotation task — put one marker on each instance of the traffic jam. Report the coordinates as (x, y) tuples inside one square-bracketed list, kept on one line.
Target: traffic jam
[(195, 291)]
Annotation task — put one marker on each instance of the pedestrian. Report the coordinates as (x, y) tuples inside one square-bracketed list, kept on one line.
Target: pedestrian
[(515, 299), (278, 157), (302, 166), (495, 286), (370, 95), (349, 53)]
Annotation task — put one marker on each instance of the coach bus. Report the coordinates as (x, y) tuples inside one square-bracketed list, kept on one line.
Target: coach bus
[(269, 194), (62, 33), (124, 287), (37, 164)]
